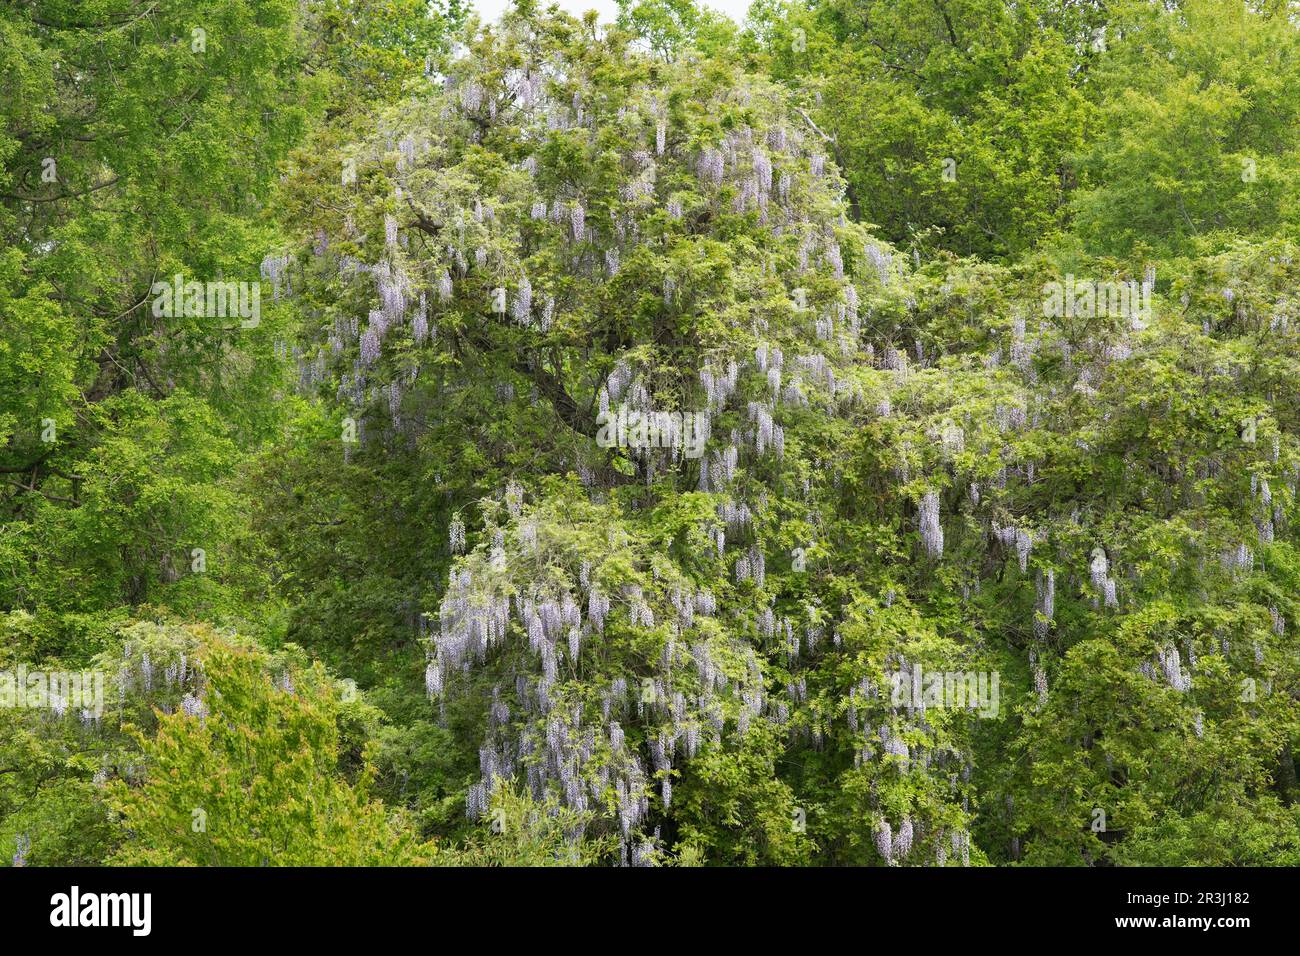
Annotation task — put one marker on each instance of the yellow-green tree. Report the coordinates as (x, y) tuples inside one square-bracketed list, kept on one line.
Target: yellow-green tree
[(246, 773)]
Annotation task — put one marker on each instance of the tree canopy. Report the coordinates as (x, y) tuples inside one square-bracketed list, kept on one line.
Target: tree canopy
[(867, 435)]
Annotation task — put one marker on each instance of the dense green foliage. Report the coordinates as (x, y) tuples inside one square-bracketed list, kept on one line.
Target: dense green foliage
[(972, 326)]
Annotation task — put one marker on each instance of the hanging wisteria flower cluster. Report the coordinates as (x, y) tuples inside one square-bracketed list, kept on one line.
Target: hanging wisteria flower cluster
[(928, 519), (556, 746)]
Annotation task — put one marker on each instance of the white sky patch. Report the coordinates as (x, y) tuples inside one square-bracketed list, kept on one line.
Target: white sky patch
[(608, 9)]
